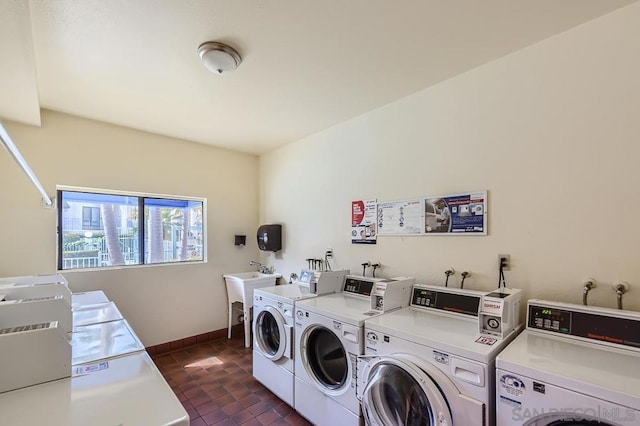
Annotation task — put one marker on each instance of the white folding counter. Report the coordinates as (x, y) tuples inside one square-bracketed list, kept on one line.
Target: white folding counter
[(113, 380), (127, 390)]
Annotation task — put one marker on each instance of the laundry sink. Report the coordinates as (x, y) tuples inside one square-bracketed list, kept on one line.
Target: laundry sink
[(252, 275), (240, 288)]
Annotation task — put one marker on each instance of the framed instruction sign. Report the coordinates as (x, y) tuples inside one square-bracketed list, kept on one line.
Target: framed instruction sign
[(456, 214)]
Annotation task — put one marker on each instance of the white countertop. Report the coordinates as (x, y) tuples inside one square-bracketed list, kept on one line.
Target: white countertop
[(128, 390), (114, 381)]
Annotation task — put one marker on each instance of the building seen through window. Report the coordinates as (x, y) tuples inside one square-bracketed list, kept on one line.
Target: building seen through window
[(99, 230)]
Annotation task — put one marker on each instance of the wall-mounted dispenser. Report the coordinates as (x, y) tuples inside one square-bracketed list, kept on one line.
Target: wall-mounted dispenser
[(270, 237)]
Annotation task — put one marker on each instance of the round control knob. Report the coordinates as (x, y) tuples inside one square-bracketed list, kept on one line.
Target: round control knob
[(493, 323), (299, 314), (372, 336)]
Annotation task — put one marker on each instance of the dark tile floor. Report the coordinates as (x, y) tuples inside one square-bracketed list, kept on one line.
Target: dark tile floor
[(214, 382)]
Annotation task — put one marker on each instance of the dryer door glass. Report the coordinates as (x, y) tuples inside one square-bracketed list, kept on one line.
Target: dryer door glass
[(394, 397), (327, 358), (268, 333)]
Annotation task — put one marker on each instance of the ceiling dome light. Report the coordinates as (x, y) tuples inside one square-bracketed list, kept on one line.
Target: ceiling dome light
[(219, 58)]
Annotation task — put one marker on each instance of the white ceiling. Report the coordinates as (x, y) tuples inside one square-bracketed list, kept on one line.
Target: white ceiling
[(307, 65)]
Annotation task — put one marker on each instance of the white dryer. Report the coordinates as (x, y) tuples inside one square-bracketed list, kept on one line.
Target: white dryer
[(428, 364), (273, 351), (573, 365), (329, 338)]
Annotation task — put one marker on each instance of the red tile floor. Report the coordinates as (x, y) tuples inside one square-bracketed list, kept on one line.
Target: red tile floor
[(214, 382)]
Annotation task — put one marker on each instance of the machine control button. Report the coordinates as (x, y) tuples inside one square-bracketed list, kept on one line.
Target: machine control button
[(441, 357), (493, 323), (299, 314), (371, 336)]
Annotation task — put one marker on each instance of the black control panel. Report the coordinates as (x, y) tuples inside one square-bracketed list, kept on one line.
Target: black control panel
[(595, 326), (499, 294), (452, 302), (357, 286)]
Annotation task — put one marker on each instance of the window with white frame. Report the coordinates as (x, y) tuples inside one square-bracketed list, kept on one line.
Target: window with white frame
[(101, 230)]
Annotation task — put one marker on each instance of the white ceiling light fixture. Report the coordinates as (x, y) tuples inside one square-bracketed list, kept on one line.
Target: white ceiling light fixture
[(218, 57)]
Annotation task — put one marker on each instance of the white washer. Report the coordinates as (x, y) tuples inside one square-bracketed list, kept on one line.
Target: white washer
[(428, 364), (574, 365), (329, 338), (273, 351)]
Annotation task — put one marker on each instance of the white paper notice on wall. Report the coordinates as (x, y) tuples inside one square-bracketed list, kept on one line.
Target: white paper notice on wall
[(400, 217)]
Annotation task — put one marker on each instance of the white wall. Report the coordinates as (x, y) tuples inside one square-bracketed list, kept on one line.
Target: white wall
[(162, 303), (552, 132)]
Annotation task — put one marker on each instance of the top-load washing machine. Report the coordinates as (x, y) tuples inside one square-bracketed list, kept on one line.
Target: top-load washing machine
[(433, 363), (328, 340), (573, 365), (273, 351)]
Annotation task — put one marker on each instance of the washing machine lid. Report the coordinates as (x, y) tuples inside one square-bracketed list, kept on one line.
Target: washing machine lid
[(601, 371), (95, 314), (86, 298), (286, 293), (450, 333), (103, 341), (341, 307)]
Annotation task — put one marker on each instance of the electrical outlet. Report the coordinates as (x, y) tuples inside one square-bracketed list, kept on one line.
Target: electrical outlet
[(329, 253), (505, 260)]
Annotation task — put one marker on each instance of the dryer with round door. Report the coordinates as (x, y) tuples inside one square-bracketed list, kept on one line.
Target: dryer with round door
[(574, 365), (428, 364), (273, 351), (329, 338)]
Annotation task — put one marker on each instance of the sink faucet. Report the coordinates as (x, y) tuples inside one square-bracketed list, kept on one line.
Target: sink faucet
[(263, 268)]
